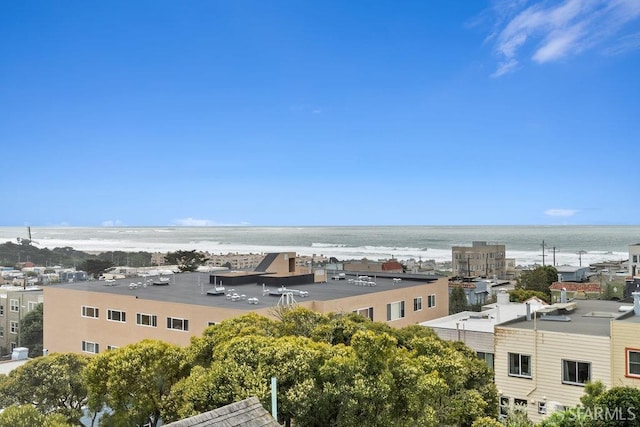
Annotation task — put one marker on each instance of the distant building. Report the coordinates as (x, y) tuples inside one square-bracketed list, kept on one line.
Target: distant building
[(570, 273), (15, 303), (391, 266), (479, 260), (634, 260), (575, 290)]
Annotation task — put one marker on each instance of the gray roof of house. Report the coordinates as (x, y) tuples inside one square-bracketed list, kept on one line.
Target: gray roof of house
[(245, 413), (590, 317)]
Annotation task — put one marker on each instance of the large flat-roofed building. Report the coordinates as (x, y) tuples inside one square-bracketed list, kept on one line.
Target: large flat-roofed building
[(93, 316), (479, 260)]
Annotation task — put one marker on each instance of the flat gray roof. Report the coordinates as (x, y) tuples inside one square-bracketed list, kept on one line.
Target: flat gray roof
[(590, 317), (191, 288)]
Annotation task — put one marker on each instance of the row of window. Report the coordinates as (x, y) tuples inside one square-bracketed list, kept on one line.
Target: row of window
[(142, 319), (395, 310), (573, 372), (14, 306), (94, 347)]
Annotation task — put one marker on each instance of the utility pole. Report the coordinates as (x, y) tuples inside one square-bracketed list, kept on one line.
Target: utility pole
[(543, 253), (554, 255), (580, 256)]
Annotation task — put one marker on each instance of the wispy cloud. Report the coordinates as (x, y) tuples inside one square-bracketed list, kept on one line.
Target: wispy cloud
[(548, 31), (112, 223), (561, 212), (194, 222)]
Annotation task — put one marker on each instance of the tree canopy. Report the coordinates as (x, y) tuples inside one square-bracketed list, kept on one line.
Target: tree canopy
[(539, 279), (31, 331), (337, 369), (186, 260), (52, 384)]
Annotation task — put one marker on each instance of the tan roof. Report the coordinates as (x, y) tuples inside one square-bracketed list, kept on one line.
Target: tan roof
[(245, 413)]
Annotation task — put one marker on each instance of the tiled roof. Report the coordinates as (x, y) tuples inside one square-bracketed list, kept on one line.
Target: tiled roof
[(576, 287), (391, 265), (245, 413)]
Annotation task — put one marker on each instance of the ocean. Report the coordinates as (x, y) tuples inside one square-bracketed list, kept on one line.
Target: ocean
[(524, 243)]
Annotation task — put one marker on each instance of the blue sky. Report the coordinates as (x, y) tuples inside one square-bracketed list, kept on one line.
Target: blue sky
[(319, 113)]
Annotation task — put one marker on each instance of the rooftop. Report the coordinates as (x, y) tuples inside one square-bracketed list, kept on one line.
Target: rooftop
[(192, 288), (482, 321), (582, 317)]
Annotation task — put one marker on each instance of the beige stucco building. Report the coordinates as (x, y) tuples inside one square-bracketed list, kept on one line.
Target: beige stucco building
[(93, 316), (479, 260)]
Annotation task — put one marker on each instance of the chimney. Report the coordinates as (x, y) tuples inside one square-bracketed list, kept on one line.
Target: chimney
[(636, 303), (502, 297), (563, 296), (528, 311), (559, 277)]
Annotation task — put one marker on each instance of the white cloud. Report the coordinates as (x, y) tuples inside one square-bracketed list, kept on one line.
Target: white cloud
[(112, 223), (561, 212), (193, 222), (550, 30)]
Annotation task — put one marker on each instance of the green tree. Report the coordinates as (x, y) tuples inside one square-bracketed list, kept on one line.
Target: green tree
[(338, 369), (52, 384), (186, 260), (622, 406), (95, 267), (539, 279), (486, 422), (31, 331), (134, 381), (457, 300), (28, 416)]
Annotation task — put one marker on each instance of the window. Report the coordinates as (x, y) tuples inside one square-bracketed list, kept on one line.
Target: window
[(520, 402), (14, 305), (212, 323), (633, 362), (542, 408), (112, 347), (576, 373), (147, 319), (179, 324), (635, 258), (117, 315), (519, 365), (13, 346), (395, 311), (90, 347), (13, 327), (431, 300), (1, 332), (365, 312), (417, 304), (90, 312), (504, 407), (32, 305), (487, 357), (1, 310)]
